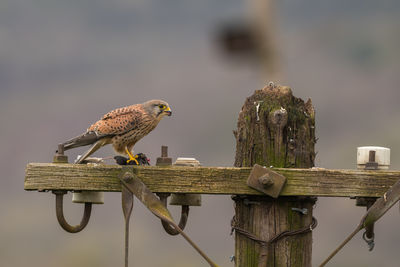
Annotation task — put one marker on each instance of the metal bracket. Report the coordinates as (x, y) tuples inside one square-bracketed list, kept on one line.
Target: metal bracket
[(60, 214), (266, 181), (135, 187), (59, 157), (374, 213), (184, 215)]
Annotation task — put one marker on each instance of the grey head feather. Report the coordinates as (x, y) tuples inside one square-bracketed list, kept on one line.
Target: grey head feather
[(152, 107)]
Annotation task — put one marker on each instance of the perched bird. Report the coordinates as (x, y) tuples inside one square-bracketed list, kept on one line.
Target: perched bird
[(122, 127)]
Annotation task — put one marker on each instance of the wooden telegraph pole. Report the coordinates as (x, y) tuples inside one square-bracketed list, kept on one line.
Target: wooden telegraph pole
[(274, 129)]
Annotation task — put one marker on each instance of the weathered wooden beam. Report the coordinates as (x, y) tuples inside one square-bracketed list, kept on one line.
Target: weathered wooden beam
[(209, 180)]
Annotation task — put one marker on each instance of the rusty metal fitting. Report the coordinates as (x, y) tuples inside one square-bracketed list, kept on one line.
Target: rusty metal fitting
[(278, 117), (371, 164), (369, 240), (182, 221), (59, 157), (60, 214), (164, 160), (266, 181)]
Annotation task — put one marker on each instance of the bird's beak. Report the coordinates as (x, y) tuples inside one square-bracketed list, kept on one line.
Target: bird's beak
[(168, 111)]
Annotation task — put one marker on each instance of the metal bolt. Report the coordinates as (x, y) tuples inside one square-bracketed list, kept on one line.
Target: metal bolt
[(372, 155), (371, 164), (60, 149), (164, 160), (266, 181), (303, 211), (164, 151), (279, 117), (59, 157), (128, 177)]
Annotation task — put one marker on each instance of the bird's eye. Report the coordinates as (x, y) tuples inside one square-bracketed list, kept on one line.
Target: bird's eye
[(162, 106)]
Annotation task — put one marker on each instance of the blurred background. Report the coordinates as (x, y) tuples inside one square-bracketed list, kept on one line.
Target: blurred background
[(63, 64)]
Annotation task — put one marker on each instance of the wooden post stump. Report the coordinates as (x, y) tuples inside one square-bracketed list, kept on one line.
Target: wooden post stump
[(274, 129)]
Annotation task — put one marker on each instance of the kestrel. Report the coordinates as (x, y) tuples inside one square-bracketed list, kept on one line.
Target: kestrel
[(122, 127)]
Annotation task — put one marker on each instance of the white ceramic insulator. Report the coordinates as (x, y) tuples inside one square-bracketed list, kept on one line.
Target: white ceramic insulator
[(187, 162), (88, 196), (382, 156)]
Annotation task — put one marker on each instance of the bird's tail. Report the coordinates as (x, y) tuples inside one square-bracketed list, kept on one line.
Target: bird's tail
[(91, 150), (85, 139)]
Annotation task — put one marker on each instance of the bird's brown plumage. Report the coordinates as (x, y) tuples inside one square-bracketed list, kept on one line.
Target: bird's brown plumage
[(122, 127)]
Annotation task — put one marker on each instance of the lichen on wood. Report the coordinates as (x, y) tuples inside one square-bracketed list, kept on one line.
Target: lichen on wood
[(277, 128), (274, 129)]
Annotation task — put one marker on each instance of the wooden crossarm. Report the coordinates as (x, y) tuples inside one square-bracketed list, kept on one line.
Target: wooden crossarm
[(209, 180)]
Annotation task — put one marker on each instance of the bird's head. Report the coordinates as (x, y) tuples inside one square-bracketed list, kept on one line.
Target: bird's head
[(157, 108)]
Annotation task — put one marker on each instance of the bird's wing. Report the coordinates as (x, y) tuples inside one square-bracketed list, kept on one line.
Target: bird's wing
[(118, 121), (119, 112), (85, 139)]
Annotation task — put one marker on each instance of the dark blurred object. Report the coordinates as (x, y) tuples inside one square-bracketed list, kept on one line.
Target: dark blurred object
[(254, 40), (140, 157), (253, 43), (237, 39)]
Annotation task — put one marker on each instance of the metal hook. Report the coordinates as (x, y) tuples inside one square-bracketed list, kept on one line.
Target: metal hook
[(60, 214), (184, 215), (369, 240)]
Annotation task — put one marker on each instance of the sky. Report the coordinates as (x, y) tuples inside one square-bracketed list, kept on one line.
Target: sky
[(63, 64)]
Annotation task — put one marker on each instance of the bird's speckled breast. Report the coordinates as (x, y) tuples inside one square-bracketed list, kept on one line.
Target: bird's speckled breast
[(129, 139)]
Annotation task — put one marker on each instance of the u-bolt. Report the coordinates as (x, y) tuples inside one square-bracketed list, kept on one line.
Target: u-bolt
[(60, 214), (184, 215)]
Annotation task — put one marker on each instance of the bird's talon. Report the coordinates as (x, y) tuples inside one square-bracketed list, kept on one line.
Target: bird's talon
[(133, 159)]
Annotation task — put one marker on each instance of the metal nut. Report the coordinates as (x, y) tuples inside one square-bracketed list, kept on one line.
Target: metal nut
[(266, 181)]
